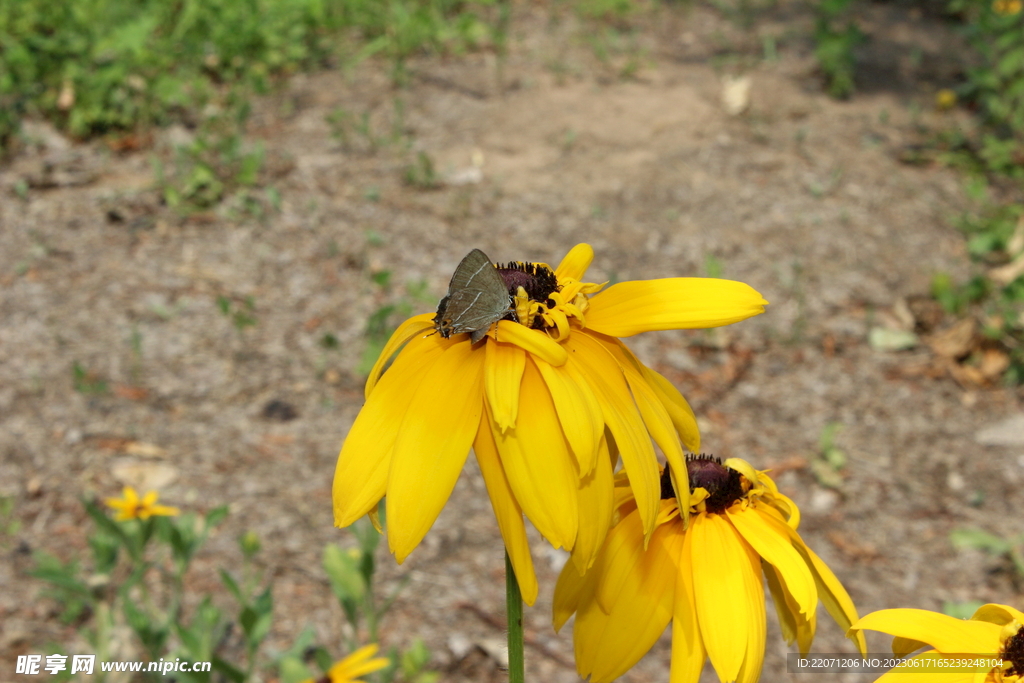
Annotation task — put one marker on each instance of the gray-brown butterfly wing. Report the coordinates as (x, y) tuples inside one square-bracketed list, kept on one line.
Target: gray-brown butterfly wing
[(477, 298)]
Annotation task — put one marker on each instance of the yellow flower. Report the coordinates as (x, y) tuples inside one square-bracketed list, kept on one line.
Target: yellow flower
[(1007, 7), (356, 664), (994, 630), (549, 400), (130, 507), (945, 99), (706, 578)]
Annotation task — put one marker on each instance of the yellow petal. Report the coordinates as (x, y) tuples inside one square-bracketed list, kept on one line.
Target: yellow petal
[(998, 614), (536, 460), (678, 409), (361, 475), (415, 325), (432, 444), (729, 594), (753, 660), (575, 263), (624, 422), (629, 308), (607, 644), (688, 652), (901, 647), (503, 373), (942, 632), (777, 550), (357, 664), (595, 496), (785, 607), (533, 342), (655, 414), (578, 410), (569, 590), (506, 510), (830, 591)]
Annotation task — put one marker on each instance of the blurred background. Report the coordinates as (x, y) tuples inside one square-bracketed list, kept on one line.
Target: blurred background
[(213, 214)]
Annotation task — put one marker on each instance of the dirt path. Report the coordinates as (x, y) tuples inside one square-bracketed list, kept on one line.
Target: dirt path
[(800, 196)]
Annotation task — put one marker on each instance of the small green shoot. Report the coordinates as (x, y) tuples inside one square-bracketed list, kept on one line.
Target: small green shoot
[(87, 382), (829, 461)]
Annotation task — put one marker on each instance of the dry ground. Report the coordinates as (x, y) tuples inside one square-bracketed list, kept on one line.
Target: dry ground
[(801, 196)]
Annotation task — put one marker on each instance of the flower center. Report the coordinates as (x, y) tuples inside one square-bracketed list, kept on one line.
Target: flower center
[(724, 485), (541, 301), (1013, 652)]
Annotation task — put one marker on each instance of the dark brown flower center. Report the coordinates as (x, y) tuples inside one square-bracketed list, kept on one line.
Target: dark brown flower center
[(1013, 652), (723, 485), (536, 279)]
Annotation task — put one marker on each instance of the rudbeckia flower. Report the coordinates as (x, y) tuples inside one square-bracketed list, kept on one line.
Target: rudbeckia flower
[(995, 630), (129, 506), (549, 399), (358, 663), (706, 578)]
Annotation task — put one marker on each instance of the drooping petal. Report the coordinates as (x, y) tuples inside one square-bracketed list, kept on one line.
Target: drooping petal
[(680, 411), (432, 444), (628, 308), (506, 510), (607, 644), (536, 460), (943, 632), (361, 475), (415, 325), (795, 626), (830, 591), (688, 651), (727, 593), (569, 591), (578, 410), (533, 342), (753, 660), (623, 420), (777, 550), (503, 373), (595, 499), (576, 262)]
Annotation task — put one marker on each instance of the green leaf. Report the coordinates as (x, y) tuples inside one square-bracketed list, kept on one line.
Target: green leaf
[(232, 585), (342, 567), (980, 540)]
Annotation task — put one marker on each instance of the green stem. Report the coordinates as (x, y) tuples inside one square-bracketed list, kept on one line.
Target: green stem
[(514, 609)]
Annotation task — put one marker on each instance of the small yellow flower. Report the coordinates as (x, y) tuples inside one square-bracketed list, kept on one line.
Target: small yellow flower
[(549, 400), (994, 630), (129, 506), (347, 670), (706, 578), (1007, 8), (945, 99)]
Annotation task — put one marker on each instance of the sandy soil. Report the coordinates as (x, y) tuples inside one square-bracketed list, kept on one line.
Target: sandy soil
[(802, 197)]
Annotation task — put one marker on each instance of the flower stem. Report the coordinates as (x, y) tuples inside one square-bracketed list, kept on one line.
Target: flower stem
[(514, 609)]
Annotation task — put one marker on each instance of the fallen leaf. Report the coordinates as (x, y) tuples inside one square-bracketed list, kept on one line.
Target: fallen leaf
[(736, 94), (994, 363), (887, 339), (130, 392), (143, 476), (956, 341)]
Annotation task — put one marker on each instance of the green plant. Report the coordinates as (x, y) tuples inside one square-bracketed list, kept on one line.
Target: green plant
[(239, 312), (1011, 549), (420, 173), (86, 382), (830, 459), (384, 320), (835, 37), (996, 81)]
